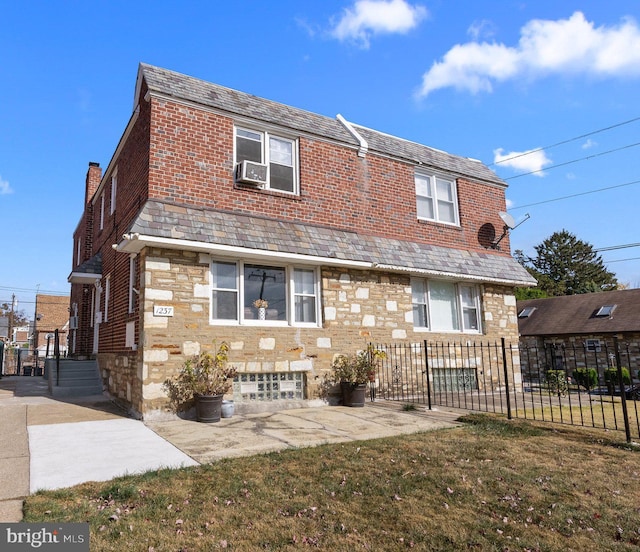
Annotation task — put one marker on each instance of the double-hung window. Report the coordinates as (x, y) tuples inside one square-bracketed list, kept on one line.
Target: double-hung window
[(277, 153), (436, 198), (444, 306), (252, 293)]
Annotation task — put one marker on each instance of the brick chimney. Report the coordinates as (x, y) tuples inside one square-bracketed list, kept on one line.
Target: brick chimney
[(94, 175)]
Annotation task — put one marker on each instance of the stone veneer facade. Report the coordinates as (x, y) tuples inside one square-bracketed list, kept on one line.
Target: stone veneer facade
[(358, 306)]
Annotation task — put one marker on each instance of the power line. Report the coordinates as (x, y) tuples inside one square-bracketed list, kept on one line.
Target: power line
[(575, 195), (614, 247), (564, 141), (622, 260), (574, 161)]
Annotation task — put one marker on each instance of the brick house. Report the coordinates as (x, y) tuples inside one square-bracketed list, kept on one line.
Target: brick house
[(215, 199), (51, 314)]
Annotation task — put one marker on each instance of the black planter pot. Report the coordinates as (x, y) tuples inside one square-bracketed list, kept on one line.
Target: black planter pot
[(353, 393), (208, 408)]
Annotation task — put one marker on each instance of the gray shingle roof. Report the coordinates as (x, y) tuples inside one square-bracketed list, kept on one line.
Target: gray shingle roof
[(575, 314), (90, 266), (162, 220), (183, 87)]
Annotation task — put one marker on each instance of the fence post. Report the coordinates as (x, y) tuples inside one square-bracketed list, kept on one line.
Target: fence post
[(56, 352), (623, 394), (506, 377), (426, 373)]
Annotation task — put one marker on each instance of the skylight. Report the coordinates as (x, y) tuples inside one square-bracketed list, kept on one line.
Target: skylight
[(526, 312), (606, 310)]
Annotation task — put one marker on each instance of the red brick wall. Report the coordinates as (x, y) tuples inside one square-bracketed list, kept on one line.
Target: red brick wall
[(192, 163)]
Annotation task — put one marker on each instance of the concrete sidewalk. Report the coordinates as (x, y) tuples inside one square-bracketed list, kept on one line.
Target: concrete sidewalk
[(48, 443)]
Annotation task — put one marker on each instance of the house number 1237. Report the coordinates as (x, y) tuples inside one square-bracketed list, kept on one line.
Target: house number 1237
[(159, 310)]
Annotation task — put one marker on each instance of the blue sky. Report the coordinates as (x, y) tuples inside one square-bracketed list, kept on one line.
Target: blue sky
[(481, 79)]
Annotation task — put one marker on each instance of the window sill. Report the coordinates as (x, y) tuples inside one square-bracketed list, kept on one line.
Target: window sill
[(267, 191)]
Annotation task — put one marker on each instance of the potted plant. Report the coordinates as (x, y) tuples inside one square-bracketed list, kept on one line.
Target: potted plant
[(202, 381), (353, 372), (261, 305)]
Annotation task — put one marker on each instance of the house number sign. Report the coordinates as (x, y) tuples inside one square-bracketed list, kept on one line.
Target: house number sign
[(161, 310)]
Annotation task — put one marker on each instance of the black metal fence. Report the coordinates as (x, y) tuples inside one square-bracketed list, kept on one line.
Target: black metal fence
[(586, 384)]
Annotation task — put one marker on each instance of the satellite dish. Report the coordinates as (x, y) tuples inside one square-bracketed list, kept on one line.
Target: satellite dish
[(508, 220), (509, 224)]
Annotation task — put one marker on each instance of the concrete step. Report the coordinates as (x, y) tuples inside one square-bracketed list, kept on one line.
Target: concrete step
[(74, 378)]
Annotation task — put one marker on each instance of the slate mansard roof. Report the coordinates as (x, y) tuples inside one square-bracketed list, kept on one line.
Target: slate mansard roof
[(172, 222), (182, 87)]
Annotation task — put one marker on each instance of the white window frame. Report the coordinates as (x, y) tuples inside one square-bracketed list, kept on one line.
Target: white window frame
[(290, 293), (114, 191), (132, 275), (265, 156), (107, 294), (102, 210), (593, 345), (426, 303), (436, 201), (78, 245)]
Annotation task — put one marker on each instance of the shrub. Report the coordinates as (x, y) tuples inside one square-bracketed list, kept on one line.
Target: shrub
[(586, 377), (557, 381), (611, 376)]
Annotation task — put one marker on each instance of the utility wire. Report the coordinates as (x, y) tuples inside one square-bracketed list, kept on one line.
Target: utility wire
[(622, 260), (564, 141), (614, 247), (575, 195), (574, 161)]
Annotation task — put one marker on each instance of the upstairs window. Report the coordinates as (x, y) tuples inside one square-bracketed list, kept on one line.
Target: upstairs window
[(272, 160), (436, 198), (442, 306), (606, 311)]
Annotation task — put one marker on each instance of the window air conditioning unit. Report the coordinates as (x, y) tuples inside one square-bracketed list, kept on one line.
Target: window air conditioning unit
[(252, 173), (73, 322)]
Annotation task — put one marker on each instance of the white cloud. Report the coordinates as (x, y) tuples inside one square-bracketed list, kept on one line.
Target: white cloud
[(5, 188), (481, 29), (589, 144), (370, 17), (526, 161), (565, 46)]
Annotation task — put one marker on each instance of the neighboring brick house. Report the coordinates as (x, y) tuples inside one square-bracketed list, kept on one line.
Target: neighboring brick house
[(51, 314), (214, 199), (581, 328)]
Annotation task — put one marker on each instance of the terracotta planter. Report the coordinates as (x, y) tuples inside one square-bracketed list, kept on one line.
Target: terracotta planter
[(353, 393), (208, 408)]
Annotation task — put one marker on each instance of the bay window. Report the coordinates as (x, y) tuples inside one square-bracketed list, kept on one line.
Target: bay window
[(252, 293), (444, 306)]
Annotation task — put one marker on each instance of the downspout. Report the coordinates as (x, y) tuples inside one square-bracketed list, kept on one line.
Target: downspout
[(364, 146)]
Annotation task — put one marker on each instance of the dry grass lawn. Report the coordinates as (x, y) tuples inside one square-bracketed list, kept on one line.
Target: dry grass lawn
[(492, 484)]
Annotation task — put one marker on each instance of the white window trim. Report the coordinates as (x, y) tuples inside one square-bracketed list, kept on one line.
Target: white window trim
[(265, 156), (132, 274), (114, 191), (434, 190), (459, 305), (102, 210), (78, 245), (107, 294), (290, 296)]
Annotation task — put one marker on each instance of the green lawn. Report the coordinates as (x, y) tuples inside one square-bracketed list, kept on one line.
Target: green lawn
[(492, 484)]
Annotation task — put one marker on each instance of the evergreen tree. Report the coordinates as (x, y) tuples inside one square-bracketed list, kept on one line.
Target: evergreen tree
[(565, 265)]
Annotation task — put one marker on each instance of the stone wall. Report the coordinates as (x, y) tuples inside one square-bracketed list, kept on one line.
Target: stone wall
[(358, 307)]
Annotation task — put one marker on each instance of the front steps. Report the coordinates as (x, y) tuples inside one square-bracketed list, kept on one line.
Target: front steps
[(77, 378)]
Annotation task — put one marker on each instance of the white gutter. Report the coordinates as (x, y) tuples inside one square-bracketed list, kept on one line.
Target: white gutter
[(134, 243), (364, 146), (452, 275), (83, 277)]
